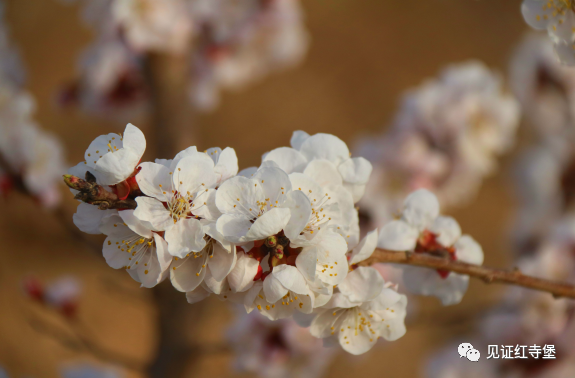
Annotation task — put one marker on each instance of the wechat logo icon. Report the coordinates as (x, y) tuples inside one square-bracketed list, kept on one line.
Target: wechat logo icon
[(466, 350)]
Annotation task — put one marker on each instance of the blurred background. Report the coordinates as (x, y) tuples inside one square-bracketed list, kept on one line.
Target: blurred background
[(363, 55)]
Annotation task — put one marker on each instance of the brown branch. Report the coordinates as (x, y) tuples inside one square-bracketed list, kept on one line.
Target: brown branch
[(488, 275), (94, 194)]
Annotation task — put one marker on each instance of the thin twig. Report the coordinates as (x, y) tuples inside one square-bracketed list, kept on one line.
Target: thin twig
[(488, 275)]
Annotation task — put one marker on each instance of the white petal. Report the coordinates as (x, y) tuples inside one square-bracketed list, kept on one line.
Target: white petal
[(114, 226), (216, 287), (241, 278), (447, 229), (204, 205), (362, 284), (270, 223), (140, 227), (135, 140), (115, 258), (300, 213), (275, 184), (306, 262), (355, 171), (227, 164), (115, 167), (323, 323), (235, 194), (339, 300), (189, 272), (193, 174), (290, 278), (420, 209), (88, 218), (428, 282), (394, 314), (153, 211), (323, 172), (99, 147), (156, 268), (273, 289), (356, 191), (398, 236), (353, 339), (248, 172), (288, 159), (365, 248), (297, 139), (154, 180), (184, 236), (222, 261), (199, 294), (534, 12), (325, 146), (468, 250), (233, 227)]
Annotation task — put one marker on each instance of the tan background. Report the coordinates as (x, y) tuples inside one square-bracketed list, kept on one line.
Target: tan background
[(364, 53)]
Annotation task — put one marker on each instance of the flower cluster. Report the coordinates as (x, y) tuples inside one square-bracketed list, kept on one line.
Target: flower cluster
[(228, 44), (281, 239), (545, 170), (446, 138), (558, 18), (31, 159), (280, 349)]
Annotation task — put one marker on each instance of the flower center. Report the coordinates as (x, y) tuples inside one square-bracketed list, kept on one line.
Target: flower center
[(279, 252), (317, 218), (138, 247)]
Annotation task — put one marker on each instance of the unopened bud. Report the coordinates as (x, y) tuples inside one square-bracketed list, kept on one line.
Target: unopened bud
[(279, 252), (271, 241)]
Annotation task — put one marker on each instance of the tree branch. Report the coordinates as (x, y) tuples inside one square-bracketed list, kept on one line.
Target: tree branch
[(94, 194), (488, 275)]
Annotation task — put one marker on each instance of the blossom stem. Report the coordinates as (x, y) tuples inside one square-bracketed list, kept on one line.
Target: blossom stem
[(488, 275), (90, 192)]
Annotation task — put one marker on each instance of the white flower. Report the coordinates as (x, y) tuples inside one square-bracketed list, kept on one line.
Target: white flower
[(330, 205), (114, 158), (362, 310), (422, 230), (276, 349), (254, 208), (154, 25), (226, 163), (282, 292), (445, 138), (32, 156), (131, 244), (242, 42), (324, 262), (111, 81), (188, 194), (212, 263), (323, 157), (558, 18)]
